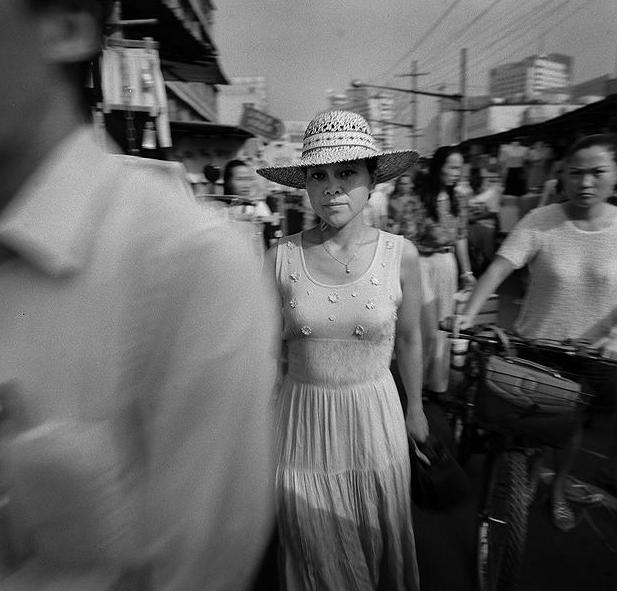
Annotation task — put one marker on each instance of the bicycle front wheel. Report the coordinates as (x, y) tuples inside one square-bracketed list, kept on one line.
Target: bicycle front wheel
[(502, 528)]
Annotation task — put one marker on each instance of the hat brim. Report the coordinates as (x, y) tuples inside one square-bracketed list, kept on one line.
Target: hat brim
[(389, 165)]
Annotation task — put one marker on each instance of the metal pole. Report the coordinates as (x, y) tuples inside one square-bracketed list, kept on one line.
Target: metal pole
[(440, 141), (463, 92), (414, 103), (359, 84)]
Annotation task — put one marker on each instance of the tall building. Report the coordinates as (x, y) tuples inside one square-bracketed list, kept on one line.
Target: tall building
[(525, 80), (380, 113)]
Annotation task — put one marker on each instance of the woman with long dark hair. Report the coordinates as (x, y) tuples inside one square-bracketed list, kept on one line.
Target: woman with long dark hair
[(443, 247)]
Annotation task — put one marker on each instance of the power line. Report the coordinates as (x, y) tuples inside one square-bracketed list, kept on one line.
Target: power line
[(511, 28), (504, 30), (526, 33), (466, 29), (435, 25), (480, 60), (537, 14), (408, 53), (522, 45)]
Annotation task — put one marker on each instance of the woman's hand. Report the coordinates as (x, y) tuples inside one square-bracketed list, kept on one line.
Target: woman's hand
[(468, 281), (417, 425), (455, 324)]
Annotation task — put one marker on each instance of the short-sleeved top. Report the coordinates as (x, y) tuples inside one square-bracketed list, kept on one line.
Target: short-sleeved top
[(447, 230), (572, 291)]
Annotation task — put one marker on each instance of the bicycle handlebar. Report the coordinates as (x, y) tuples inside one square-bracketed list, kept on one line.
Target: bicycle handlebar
[(484, 335)]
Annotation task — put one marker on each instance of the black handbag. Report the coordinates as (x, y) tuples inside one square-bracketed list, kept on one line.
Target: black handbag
[(440, 483)]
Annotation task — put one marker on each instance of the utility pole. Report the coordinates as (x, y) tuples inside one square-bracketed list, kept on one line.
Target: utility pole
[(463, 92), (441, 95), (414, 74), (440, 142)]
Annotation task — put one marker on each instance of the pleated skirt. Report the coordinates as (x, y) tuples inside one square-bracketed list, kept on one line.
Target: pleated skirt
[(342, 484)]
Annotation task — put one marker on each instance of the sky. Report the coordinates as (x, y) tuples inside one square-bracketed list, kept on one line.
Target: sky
[(305, 47)]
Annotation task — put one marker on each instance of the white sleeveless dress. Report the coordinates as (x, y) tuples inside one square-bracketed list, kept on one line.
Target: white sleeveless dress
[(342, 482)]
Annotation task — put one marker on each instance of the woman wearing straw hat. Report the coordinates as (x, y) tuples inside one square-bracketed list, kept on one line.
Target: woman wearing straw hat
[(349, 294)]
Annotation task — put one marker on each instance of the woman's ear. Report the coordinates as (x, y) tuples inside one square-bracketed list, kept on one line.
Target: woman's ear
[(69, 34)]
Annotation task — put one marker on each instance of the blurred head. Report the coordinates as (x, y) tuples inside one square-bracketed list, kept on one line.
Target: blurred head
[(403, 185), (43, 47), (338, 192), (446, 166), (452, 169), (45, 44), (590, 170), (238, 179), (445, 171)]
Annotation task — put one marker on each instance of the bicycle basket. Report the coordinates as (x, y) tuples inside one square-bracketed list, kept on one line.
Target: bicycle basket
[(525, 399)]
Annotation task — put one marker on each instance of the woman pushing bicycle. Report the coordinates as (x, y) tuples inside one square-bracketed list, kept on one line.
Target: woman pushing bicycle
[(569, 249)]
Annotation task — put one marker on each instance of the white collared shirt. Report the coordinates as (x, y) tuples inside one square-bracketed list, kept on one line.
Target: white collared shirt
[(138, 348)]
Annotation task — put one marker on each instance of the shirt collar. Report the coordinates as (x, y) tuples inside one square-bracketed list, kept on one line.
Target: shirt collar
[(52, 221)]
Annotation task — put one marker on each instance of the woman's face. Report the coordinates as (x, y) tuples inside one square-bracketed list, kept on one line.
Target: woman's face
[(589, 176), (338, 192), (242, 181), (452, 169)]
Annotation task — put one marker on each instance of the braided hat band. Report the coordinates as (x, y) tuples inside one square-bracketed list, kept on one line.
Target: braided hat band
[(339, 136)]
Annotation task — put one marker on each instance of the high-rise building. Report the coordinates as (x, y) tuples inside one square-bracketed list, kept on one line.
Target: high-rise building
[(524, 80), (380, 113)]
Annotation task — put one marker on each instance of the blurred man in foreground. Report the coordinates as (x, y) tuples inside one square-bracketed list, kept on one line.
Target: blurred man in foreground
[(137, 350)]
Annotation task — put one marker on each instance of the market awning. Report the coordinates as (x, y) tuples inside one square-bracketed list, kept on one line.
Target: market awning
[(187, 95), (595, 117), (209, 129), (208, 72)]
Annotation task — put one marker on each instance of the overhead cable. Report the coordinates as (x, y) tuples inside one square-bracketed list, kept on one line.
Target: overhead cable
[(409, 52), (533, 15)]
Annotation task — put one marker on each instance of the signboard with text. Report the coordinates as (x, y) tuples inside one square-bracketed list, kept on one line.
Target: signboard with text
[(261, 124)]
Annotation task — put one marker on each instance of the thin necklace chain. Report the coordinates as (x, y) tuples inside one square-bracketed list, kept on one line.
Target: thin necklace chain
[(345, 264)]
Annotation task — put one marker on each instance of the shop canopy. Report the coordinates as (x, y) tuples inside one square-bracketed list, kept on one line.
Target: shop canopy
[(597, 117)]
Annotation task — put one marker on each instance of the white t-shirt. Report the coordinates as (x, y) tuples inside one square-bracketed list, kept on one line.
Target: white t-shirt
[(572, 291)]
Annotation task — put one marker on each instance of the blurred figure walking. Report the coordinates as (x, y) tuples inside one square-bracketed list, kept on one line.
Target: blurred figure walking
[(136, 431), (444, 255)]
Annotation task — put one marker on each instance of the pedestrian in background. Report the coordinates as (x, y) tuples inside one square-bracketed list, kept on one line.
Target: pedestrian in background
[(137, 350), (349, 294), (245, 204), (376, 210), (444, 256), (513, 160)]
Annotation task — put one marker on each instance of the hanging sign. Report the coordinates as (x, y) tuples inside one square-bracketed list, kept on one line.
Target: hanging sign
[(261, 123)]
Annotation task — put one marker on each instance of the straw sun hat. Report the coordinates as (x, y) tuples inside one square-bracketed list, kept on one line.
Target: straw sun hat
[(339, 136)]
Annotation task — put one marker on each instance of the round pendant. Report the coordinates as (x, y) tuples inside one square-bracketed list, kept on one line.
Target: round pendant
[(347, 270)]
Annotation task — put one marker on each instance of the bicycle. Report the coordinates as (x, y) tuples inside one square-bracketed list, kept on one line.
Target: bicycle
[(512, 462)]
